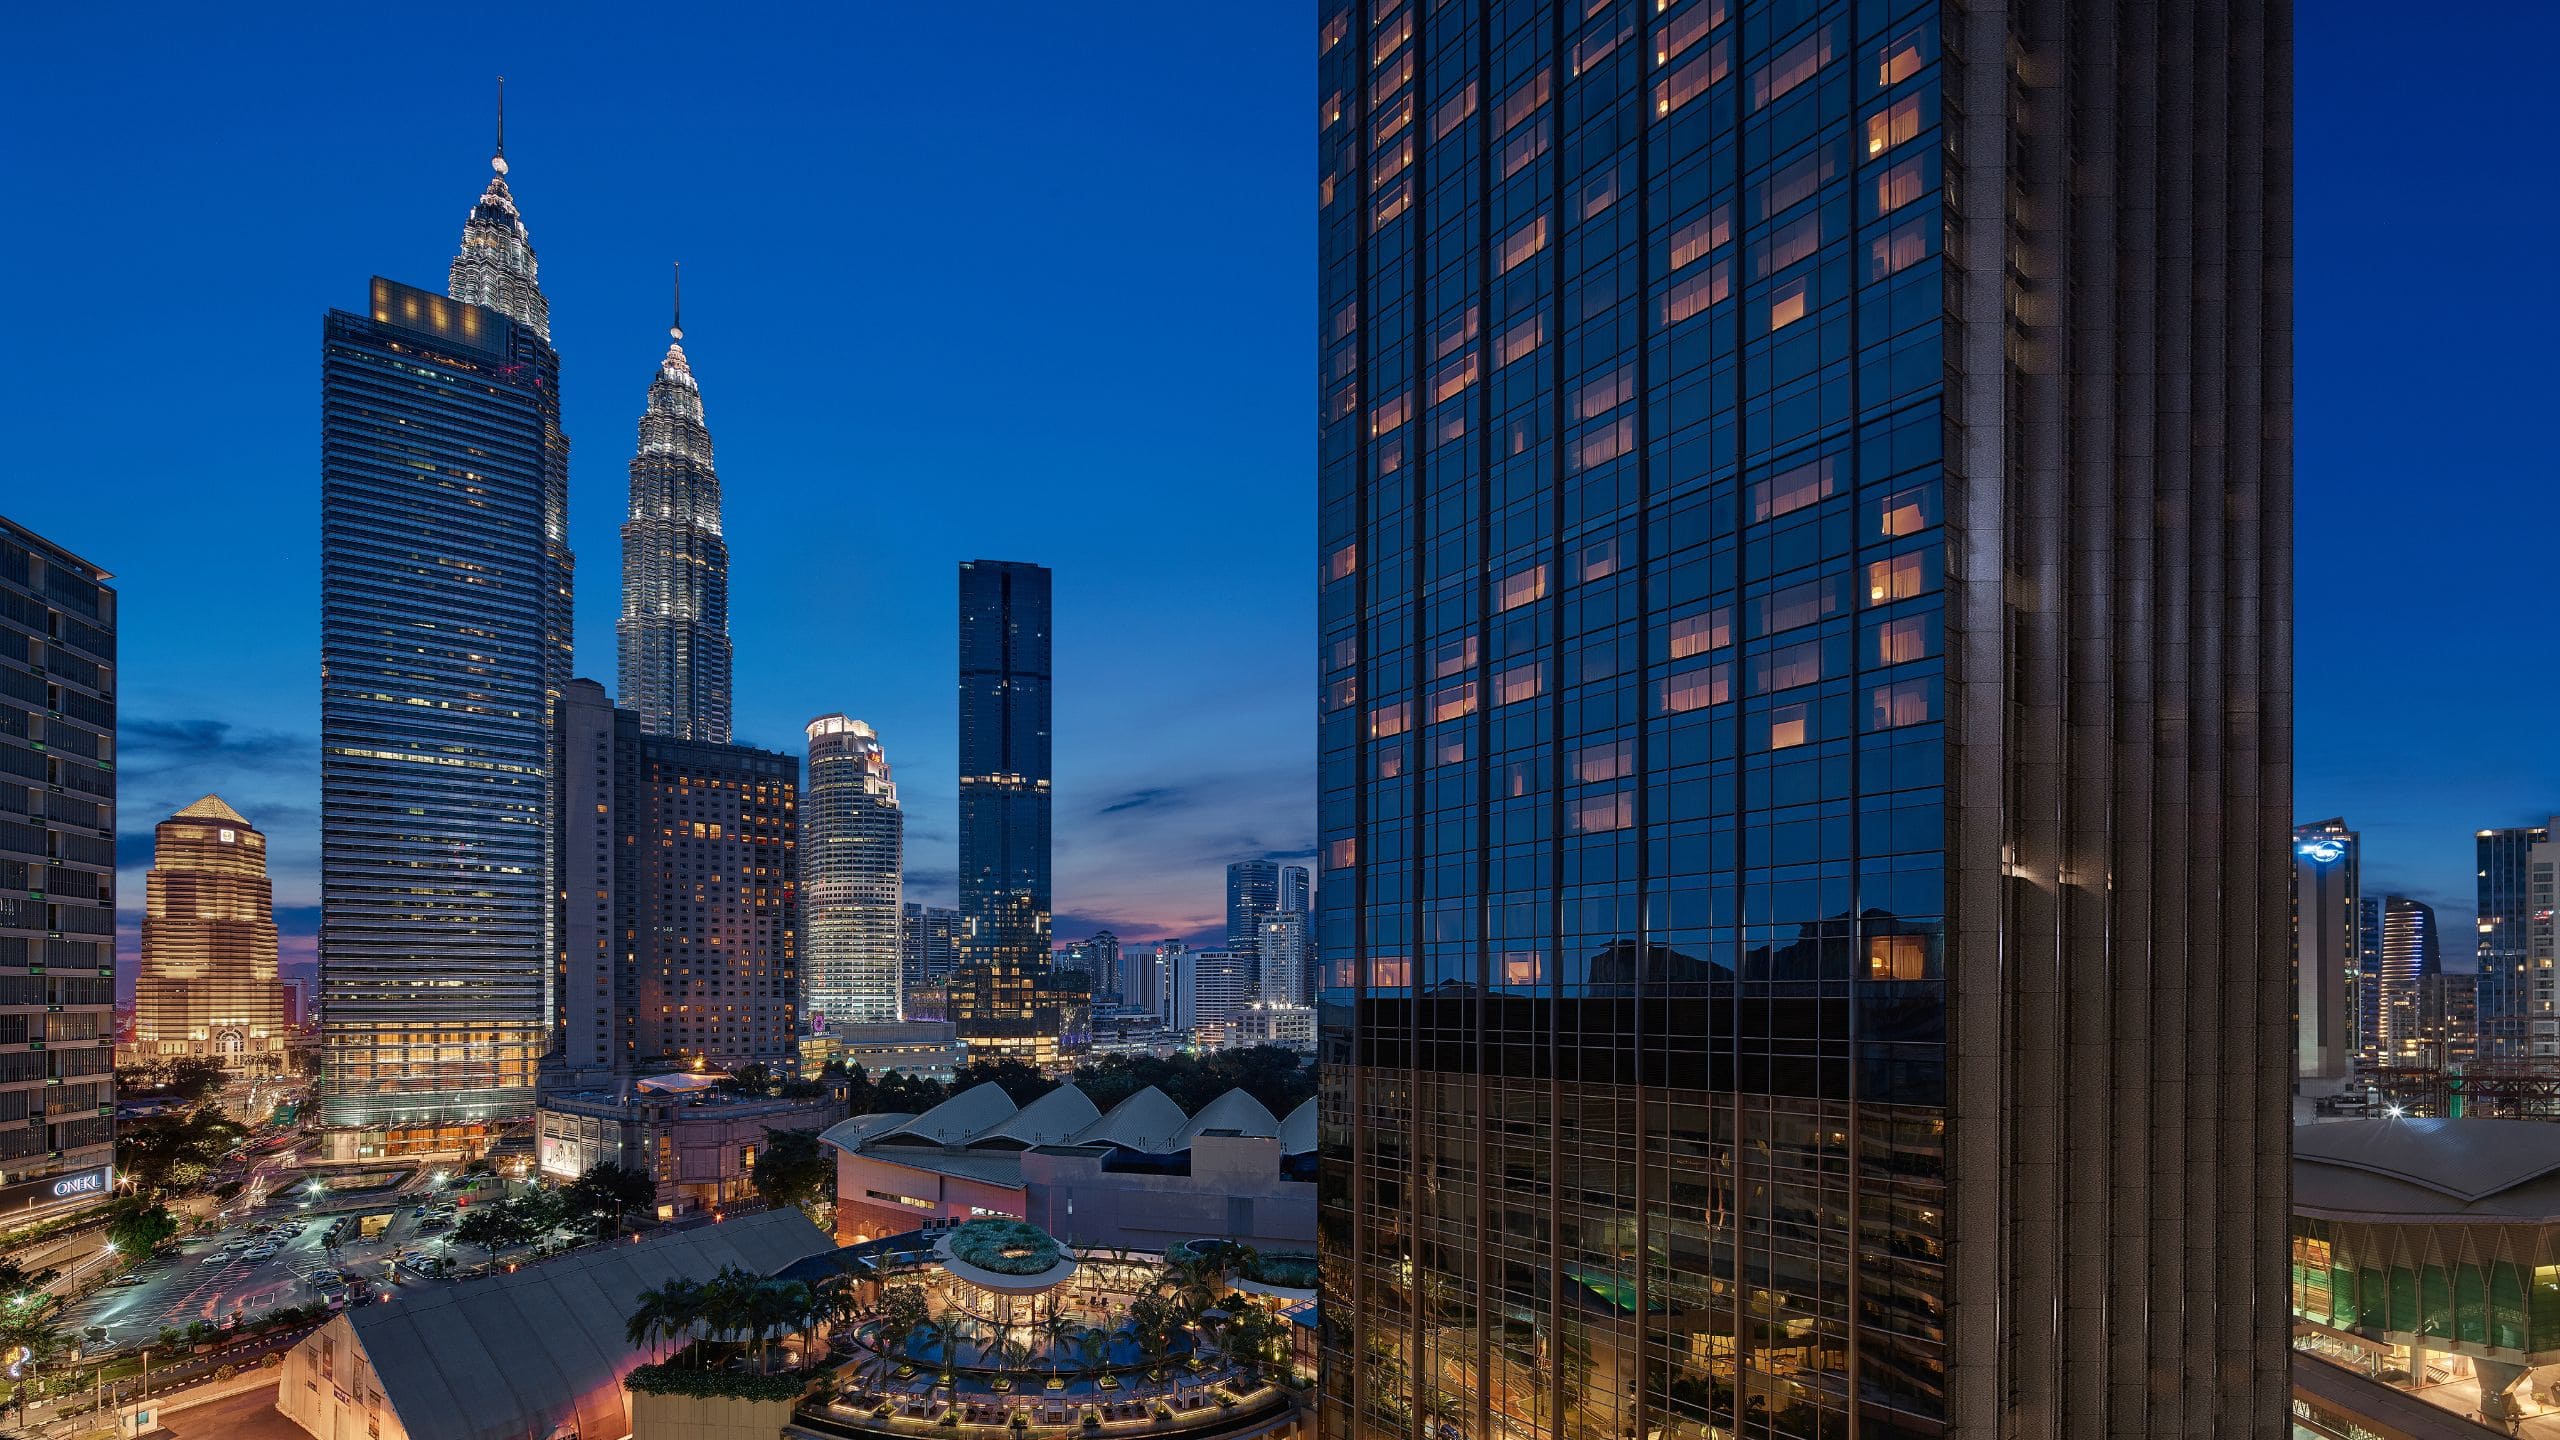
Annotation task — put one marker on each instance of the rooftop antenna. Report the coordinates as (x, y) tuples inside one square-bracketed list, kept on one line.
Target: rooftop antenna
[(498, 161)]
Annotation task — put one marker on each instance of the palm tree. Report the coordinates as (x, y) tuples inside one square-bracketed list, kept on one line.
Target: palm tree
[(725, 1305), (1093, 1351)]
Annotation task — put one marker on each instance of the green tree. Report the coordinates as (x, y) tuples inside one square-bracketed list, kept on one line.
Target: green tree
[(608, 1195), (175, 1152), (18, 1283), (795, 1169), (1022, 1084), (138, 1227)]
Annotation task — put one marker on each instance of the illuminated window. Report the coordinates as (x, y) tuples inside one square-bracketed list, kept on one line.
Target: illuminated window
[(1388, 720), (1521, 587), (1453, 111), (1897, 578), (1391, 163), (1521, 339), (1452, 656), (1897, 957), (1901, 58), (1792, 490), (1342, 562), (1685, 29), (1523, 967), (1904, 702), (1523, 243), (1391, 413), (1395, 202), (1330, 112), (1602, 445), (1390, 970), (1893, 125), (1704, 631), (1792, 67), (1789, 725), (1907, 512), (1691, 80), (1335, 28), (1904, 246), (1453, 378), (1524, 101), (1688, 297), (1453, 701), (1528, 145), (1692, 241), (1598, 814), (1695, 689), (1901, 184), (1520, 682), (1610, 760), (1597, 44), (1397, 115), (1597, 561), (1342, 694), (1391, 35), (1788, 303), (1905, 639), (1597, 193)]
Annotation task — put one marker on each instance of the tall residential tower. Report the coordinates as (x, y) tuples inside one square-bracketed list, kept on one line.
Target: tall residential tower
[(674, 630), (1804, 599), (852, 863), (2518, 1018), (444, 647)]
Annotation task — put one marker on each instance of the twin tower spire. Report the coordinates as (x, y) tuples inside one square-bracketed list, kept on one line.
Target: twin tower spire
[(674, 631)]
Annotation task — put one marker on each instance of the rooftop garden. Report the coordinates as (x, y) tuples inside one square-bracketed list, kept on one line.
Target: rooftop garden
[(1007, 1247)]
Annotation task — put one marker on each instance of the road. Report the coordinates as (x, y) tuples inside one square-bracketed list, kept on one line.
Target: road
[(251, 1416)]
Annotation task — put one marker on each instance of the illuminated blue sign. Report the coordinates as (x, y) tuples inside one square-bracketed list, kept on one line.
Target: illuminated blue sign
[(2322, 852)]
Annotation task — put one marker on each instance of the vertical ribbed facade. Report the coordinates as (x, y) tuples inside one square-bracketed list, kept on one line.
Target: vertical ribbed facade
[(207, 986), (2517, 1018), (674, 630), (1805, 647), (852, 878), (444, 640), (57, 875)]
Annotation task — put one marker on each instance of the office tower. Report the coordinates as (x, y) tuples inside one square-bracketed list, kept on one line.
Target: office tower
[(1806, 726), (2542, 942), (928, 944), (852, 878), (1293, 887), (445, 579), (2516, 1011), (2368, 999), (1098, 960), (57, 876), (2449, 1020), (1214, 987), (2326, 949), (1004, 764), (2411, 959), (207, 985), (678, 898), (674, 630), (1253, 891), (1280, 958), (1001, 1011)]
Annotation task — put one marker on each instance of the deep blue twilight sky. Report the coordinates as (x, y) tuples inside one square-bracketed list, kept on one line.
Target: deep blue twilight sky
[(1035, 282)]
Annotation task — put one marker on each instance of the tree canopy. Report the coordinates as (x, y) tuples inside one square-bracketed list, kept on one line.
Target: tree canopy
[(793, 1168)]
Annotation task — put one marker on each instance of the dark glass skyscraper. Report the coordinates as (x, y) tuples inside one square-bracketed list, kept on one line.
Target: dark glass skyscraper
[(57, 877), (2515, 999), (1253, 893), (1804, 563), (444, 634), (674, 630), (1004, 764)]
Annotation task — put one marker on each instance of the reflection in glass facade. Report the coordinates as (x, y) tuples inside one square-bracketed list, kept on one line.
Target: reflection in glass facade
[(1797, 897), (57, 874), (444, 644)]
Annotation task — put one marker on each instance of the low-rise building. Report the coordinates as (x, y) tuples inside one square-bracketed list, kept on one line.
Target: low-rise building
[(1291, 1027), (540, 1351), (700, 1142), (1142, 1176), (910, 1047)]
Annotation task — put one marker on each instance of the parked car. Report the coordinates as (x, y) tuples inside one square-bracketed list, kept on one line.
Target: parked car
[(218, 1257)]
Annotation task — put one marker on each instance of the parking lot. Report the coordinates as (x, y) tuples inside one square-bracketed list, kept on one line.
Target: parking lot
[(224, 1274)]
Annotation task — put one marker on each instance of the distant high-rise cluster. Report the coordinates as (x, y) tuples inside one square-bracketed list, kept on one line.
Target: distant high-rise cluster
[(852, 869), (207, 985)]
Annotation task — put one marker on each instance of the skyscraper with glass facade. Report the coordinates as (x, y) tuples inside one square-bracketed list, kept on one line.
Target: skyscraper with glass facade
[(444, 634), (674, 630), (2328, 901), (2516, 1001), (1253, 893), (1804, 564), (1004, 764), (57, 877), (852, 867)]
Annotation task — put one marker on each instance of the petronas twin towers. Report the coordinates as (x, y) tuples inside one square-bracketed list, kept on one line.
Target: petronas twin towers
[(674, 631)]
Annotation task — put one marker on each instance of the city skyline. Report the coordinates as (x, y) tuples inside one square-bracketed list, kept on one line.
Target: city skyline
[(231, 711)]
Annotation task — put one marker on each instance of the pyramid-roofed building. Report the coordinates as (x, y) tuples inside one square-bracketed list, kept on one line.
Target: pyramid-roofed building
[(1234, 1111), (1147, 1122), (1053, 1119)]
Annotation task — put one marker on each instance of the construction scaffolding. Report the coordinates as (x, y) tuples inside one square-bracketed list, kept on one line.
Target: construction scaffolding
[(2488, 1089)]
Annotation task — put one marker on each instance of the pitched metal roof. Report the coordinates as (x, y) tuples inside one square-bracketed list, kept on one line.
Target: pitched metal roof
[(2495, 1170), (1148, 1122), (1298, 1131), (1048, 1120), (971, 1112), (1235, 1111), (542, 1349)]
